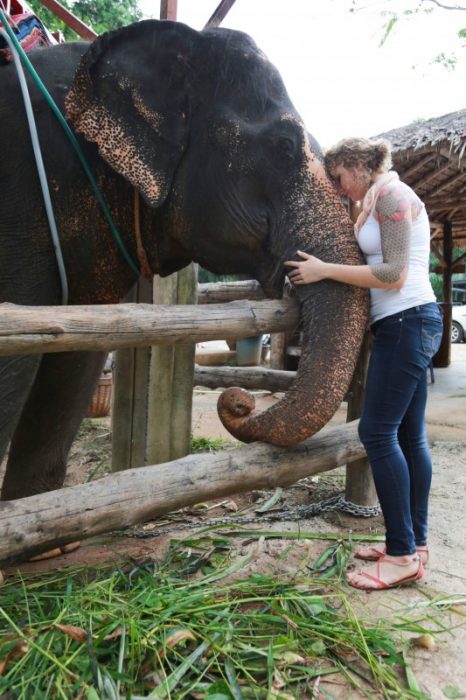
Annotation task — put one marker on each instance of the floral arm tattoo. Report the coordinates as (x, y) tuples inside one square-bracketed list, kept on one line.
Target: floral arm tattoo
[(394, 212)]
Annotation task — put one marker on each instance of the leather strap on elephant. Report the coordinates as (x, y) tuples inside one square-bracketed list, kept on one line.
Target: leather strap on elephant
[(144, 265)]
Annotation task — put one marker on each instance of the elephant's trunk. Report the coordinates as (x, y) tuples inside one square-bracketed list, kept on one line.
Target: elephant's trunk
[(334, 321)]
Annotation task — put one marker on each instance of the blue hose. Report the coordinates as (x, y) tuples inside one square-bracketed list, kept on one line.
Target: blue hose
[(40, 168)]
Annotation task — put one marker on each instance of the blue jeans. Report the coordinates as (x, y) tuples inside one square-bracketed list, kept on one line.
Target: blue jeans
[(392, 427)]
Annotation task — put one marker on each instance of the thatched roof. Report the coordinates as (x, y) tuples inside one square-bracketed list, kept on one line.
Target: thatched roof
[(431, 157)]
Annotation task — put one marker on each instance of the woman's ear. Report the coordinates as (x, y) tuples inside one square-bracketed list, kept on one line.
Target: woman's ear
[(129, 96)]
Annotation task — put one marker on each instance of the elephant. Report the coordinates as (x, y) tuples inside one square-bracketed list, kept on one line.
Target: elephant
[(198, 129)]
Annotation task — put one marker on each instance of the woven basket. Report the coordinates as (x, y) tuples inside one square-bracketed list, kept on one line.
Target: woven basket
[(102, 399)]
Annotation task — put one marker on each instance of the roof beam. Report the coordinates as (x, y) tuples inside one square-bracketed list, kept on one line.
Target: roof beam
[(430, 176), (450, 154), (447, 203), (414, 168), (448, 183), (219, 14), (70, 19)]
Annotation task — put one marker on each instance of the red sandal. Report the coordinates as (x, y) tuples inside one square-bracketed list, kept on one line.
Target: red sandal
[(381, 585), (374, 553)]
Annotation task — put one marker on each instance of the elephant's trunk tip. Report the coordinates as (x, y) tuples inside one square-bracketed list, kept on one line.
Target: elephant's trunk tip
[(234, 406)]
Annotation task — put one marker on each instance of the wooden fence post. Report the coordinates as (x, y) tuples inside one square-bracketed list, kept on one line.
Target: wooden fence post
[(171, 379), (360, 488), (129, 405)]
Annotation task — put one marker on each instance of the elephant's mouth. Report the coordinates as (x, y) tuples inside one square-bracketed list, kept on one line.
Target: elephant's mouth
[(273, 279)]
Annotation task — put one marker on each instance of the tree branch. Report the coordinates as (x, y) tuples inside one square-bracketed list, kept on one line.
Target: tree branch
[(445, 7)]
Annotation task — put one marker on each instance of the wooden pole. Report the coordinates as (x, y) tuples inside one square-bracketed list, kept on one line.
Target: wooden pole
[(183, 374), (168, 9), (360, 488), (277, 350), (171, 379), (443, 356), (129, 405), (32, 525)]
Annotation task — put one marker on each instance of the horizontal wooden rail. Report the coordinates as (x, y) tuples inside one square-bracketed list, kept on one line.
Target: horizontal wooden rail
[(223, 292), (252, 378), (32, 525), (255, 378), (36, 329)]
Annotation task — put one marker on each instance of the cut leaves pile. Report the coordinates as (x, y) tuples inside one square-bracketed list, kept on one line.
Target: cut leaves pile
[(193, 628)]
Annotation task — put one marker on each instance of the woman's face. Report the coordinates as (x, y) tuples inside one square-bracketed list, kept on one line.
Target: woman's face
[(352, 182)]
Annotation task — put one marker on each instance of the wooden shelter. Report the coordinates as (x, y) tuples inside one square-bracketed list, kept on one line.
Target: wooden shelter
[(430, 156)]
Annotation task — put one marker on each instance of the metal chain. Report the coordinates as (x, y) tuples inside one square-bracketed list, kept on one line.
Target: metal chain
[(290, 514)]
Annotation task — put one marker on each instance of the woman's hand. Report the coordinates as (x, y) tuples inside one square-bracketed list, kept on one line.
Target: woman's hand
[(305, 271)]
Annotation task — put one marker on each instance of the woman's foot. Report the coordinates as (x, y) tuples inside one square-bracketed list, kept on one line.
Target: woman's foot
[(372, 553), (387, 572)]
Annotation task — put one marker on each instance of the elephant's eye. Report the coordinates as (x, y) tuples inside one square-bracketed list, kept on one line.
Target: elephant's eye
[(285, 152)]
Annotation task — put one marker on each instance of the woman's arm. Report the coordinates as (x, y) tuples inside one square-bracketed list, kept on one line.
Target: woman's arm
[(393, 212)]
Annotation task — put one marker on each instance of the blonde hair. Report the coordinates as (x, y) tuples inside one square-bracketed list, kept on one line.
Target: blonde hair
[(375, 155)]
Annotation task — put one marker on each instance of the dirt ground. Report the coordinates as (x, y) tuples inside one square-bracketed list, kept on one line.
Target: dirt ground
[(437, 670)]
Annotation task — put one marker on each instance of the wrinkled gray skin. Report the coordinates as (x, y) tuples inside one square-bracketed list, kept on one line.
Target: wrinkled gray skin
[(200, 124)]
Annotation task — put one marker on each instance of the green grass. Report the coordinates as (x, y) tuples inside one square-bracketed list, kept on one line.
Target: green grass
[(204, 444), (193, 628)]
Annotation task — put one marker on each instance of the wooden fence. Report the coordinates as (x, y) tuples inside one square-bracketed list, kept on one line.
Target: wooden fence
[(32, 525)]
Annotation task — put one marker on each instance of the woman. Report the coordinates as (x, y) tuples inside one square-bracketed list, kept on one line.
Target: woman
[(394, 235)]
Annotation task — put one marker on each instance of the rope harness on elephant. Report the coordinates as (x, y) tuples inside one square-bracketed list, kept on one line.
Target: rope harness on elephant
[(334, 503), (144, 265)]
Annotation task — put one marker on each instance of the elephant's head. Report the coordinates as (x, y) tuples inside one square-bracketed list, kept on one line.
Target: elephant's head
[(201, 124)]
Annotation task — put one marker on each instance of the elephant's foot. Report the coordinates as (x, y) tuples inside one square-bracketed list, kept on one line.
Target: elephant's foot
[(56, 552)]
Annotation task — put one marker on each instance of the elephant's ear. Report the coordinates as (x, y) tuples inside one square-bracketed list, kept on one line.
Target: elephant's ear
[(129, 97)]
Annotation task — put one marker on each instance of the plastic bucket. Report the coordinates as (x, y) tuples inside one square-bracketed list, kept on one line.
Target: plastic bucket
[(249, 351)]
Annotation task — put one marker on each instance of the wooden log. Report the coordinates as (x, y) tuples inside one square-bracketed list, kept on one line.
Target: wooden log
[(223, 292), (258, 378), (32, 525), (35, 329)]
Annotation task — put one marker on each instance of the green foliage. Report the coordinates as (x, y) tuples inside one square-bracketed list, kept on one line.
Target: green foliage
[(205, 276), (203, 444), (388, 27), (100, 15), (393, 18), (436, 279), (196, 625), (447, 61)]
